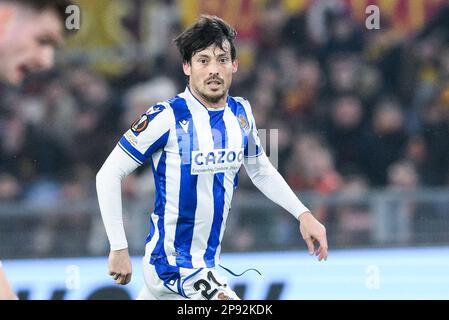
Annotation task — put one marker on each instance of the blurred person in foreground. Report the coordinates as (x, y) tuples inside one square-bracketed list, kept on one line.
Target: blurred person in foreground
[(196, 142), (30, 31)]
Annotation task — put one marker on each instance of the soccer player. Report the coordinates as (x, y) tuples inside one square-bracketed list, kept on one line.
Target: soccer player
[(196, 143), (30, 31)]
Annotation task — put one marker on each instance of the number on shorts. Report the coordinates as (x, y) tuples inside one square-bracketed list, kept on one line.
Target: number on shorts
[(206, 286)]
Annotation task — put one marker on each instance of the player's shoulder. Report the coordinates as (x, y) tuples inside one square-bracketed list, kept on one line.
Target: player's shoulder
[(238, 99), (235, 102), (155, 109), (160, 113), (162, 107), (176, 99), (181, 101)]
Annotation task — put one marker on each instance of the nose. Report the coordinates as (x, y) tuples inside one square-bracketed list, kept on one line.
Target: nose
[(214, 75), (213, 69), (46, 58)]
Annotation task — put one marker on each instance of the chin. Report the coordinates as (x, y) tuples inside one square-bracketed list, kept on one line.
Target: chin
[(16, 81), (215, 98), (11, 80), (216, 94)]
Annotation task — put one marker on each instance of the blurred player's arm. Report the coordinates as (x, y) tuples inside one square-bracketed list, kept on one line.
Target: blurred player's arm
[(6, 292), (116, 167), (269, 181)]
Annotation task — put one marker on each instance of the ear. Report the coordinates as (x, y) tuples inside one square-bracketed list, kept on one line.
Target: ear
[(187, 68), (235, 66)]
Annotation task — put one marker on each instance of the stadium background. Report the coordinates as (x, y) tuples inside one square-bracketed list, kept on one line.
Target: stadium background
[(363, 126)]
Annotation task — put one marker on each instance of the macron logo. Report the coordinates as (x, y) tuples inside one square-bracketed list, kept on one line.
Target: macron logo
[(185, 125)]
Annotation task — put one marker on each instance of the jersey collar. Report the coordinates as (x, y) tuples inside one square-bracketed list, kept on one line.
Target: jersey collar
[(198, 103)]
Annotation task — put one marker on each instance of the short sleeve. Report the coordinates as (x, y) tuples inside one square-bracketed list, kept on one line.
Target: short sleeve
[(147, 134)]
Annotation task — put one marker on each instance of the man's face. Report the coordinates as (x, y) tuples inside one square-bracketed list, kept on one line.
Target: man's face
[(210, 72), (28, 40)]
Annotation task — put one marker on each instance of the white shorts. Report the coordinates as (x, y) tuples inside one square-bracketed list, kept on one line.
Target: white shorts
[(164, 282)]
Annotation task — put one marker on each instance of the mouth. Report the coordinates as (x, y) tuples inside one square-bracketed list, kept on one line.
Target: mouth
[(214, 81), (214, 84)]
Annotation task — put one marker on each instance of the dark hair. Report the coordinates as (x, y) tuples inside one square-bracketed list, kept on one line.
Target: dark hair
[(207, 31), (40, 5)]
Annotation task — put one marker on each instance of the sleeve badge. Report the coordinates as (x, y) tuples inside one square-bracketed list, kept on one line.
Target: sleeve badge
[(140, 124)]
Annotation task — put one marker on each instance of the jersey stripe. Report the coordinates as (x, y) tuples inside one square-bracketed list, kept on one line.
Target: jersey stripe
[(188, 185), (158, 242), (159, 174), (230, 179), (220, 138), (171, 187), (160, 143), (152, 230), (130, 151), (205, 206), (160, 202), (172, 206), (150, 254)]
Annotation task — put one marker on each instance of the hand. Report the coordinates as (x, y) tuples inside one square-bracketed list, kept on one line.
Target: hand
[(313, 231), (120, 267), (6, 292)]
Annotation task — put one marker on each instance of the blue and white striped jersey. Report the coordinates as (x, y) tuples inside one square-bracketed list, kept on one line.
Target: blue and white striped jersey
[(196, 154)]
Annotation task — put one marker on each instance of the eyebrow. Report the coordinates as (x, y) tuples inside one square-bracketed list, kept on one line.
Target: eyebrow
[(203, 55), (55, 40)]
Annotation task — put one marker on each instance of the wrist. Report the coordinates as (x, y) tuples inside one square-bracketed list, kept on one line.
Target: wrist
[(120, 248), (304, 215)]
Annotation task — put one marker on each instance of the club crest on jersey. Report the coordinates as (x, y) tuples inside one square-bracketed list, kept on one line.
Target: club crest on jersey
[(243, 122), (140, 124)]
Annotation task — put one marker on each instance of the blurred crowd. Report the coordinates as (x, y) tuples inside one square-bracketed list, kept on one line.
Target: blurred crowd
[(355, 109)]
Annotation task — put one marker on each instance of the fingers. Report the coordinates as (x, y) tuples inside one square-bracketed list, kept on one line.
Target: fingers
[(121, 278), (322, 250), (120, 267), (313, 231), (310, 245), (128, 278), (322, 253), (115, 276)]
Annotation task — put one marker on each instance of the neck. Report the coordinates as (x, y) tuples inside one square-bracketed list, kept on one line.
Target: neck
[(221, 103)]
